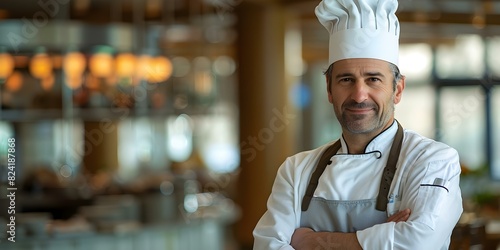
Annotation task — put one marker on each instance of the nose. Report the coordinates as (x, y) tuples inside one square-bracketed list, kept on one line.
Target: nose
[(359, 92)]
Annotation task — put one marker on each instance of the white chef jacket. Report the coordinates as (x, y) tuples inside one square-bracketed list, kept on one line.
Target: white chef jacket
[(426, 181)]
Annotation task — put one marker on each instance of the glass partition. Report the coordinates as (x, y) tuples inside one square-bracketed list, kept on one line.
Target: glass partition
[(461, 60), (462, 117)]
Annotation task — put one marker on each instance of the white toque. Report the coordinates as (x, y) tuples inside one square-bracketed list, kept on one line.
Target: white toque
[(361, 29)]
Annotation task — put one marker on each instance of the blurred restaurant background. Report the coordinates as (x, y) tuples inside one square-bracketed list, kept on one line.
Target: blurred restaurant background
[(160, 124)]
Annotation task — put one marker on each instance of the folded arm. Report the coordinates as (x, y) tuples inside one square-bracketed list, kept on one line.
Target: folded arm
[(306, 238)]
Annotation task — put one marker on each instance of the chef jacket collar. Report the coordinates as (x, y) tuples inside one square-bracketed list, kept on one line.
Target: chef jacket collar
[(382, 142)]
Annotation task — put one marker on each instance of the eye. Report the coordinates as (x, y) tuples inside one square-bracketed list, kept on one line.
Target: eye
[(374, 79), (346, 80)]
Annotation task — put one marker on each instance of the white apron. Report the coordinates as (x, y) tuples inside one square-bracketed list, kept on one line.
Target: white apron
[(348, 216)]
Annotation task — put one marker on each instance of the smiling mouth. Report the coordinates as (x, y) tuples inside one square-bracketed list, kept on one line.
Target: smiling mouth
[(358, 111), (363, 108)]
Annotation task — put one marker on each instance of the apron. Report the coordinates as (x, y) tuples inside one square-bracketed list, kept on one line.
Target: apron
[(348, 216)]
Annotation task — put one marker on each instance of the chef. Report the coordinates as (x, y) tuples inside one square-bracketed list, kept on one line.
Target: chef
[(379, 186)]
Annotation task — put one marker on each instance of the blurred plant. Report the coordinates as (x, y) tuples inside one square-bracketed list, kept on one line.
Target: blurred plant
[(478, 172), (478, 188)]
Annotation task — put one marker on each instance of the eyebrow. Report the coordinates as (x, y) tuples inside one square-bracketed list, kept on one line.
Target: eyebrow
[(343, 75), (369, 74), (374, 74)]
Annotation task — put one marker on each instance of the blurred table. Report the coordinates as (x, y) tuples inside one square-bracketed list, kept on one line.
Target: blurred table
[(492, 237), (479, 233)]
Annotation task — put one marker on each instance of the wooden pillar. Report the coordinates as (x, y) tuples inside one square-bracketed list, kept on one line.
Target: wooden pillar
[(101, 147), (267, 120)]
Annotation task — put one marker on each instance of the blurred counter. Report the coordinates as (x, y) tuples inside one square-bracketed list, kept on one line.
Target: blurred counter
[(141, 221), (195, 234)]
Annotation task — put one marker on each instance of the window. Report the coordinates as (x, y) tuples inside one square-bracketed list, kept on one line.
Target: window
[(416, 109), (415, 62), (492, 56), (462, 123), (461, 60)]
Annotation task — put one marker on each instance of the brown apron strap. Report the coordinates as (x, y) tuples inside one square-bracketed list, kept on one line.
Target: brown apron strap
[(387, 175), (320, 167), (389, 170)]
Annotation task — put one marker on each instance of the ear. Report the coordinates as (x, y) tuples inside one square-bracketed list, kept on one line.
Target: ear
[(400, 86), (329, 91)]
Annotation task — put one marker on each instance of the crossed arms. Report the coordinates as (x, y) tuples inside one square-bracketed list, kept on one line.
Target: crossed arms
[(306, 238)]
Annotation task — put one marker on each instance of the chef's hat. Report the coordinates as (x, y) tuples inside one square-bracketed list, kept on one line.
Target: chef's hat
[(361, 29)]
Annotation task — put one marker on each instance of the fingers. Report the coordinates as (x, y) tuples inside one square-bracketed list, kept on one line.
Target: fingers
[(400, 216)]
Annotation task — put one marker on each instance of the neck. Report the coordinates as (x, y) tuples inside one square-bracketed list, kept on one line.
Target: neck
[(357, 142)]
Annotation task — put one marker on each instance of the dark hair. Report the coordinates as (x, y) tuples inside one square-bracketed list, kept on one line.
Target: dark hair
[(395, 72)]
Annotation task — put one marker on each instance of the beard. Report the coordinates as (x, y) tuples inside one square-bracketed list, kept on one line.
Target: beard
[(363, 123)]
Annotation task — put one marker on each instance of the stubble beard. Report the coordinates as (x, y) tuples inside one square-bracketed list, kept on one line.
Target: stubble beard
[(364, 123)]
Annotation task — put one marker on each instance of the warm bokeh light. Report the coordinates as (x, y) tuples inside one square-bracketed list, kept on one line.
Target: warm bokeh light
[(14, 82), (6, 65), (74, 64), (41, 66), (153, 69), (159, 70), (142, 68), (101, 65), (125, 65)]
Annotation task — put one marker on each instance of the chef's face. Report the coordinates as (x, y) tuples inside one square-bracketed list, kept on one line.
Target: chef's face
[(363, 94)]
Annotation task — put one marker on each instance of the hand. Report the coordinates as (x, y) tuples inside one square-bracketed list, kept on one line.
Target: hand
[(400, 216)]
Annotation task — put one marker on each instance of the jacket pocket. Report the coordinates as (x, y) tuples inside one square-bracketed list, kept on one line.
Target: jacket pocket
[(432, 194)]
